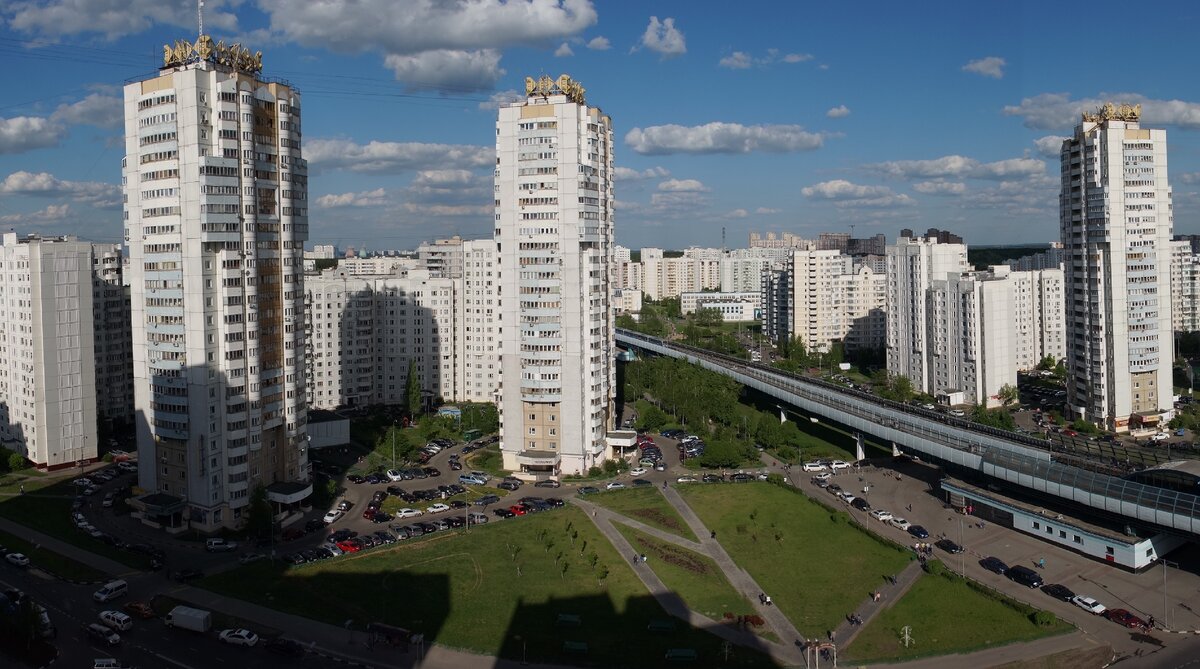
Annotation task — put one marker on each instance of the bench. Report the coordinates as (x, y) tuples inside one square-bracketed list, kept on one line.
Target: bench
[(568, 620)]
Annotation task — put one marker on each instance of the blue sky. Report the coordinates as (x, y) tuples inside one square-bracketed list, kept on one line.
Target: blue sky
[(749, 116)]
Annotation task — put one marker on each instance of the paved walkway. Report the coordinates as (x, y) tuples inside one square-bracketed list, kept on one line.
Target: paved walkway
[(846, 632), (669, 600), (615, 517), (111, 567)]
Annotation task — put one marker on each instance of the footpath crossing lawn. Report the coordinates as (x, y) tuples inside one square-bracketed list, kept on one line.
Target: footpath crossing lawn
[(946, 615), (646, 505), (51, 561), (815, 564), (527, 581)]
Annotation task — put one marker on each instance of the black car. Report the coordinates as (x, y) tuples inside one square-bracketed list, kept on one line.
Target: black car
[(381, 517), (432, 472), (419, 473), (712, 478), (835, 489), (456, 504), (547, 483), (860, 504), (588, 490), (184, 575), (313, 525), (429, 528), (1057, 591), (387, 537), (949, 546), (457, 521), (312, 555), (355, 478), (395, 490), (284, 647), (295, 559), (641, 483), (1025, 576), (372, 479), (741, 477), (556, 502), (455, 465), (415, 530), (368, 541), (504, 513), (994, 564), (486, 500), (916, 530), (508, 485)]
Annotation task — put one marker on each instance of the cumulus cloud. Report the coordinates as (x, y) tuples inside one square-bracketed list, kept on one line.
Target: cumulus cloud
[(26, 133), (394, 157), (501, 98), (98, 109), (722, 138), (1058, 111), (447, 70), (563, 51), (1036, 197), (630, 174), (44, 184), (370, 198), (959, 167), (845, 194), (840, 111), (737, 213), (113, 18), (940, 187), (53, 212), (599, 43), (664, 38), (740, 60), (1049, 146), (469, 210), (766, 210), (682, 186), (992, 66), (1190, 177)]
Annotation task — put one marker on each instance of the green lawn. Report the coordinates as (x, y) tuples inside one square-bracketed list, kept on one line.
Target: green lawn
[(487, 459), (694, 577), (490, 590), (646, 505), (815, 564), (49, 512), (946, 616), (51, 561)]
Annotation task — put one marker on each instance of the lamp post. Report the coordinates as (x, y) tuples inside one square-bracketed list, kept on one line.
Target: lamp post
[(393, 444), (1166, 563)]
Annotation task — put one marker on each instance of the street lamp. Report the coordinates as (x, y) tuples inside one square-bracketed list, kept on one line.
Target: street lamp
[(393, 444), (1165, 564)]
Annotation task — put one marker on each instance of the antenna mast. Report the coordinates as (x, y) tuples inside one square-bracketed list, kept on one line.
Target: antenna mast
[(199, 19)]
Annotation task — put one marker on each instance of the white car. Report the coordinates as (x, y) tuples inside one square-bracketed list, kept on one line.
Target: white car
[(899, 523), (332, 516), (638, 471), (822, 477), (394, 475), (116, 620), (846, 496), (615, 485), (957, 413), (813, 466), (687, 479), (928, 406), (408, 513), (839, 464), (239, 637), (17, 559), (1088, 604), (881, 515), (437, 508), (252, 557), (433, 447), (1161, 436)]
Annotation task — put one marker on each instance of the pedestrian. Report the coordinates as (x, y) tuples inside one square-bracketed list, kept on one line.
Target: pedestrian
[(643, 558), (22, 488), (1042, 563), (635, 558), (713, 535), (910, 508)]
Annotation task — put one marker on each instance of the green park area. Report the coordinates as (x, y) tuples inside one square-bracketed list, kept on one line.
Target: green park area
[(816, 564), (946, 614), (53, 562), (646, 505), (527, 585)]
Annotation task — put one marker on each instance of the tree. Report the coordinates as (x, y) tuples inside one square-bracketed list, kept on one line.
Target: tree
[(16, 462), (1008, 394), (651, 417), (258, 522), (1047, 363), (708, 317), (412, 390), (902, 388)]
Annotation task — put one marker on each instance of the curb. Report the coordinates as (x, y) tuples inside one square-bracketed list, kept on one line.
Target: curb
[(328, 655), (69, 580)]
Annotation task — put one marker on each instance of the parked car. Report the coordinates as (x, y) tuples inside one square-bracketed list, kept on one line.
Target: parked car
[(860, 503), (355, 478), (1060, 592), (141, 610), (813, 467), (615, 485), (116, 620), (881, 515), (948, 546), (918, 531), (839, 464), (238, 637), (504, 513), (408, 513), (486, 500), (285, 647), (588, 490), (1124, 617), (220, 546), (184, 575), (508, 485), (899, 523), (994, 564), (547, 483), (437, 508), (1025, 576), (332, 516), (102, 634), (712, 478), (1088, 604)]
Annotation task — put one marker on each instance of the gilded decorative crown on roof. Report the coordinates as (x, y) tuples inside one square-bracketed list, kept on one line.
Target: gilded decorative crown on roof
[(1111, 112), (564, 85), (234, 56)]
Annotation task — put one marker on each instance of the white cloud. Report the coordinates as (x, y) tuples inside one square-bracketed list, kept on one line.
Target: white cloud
[(722, 138), (599, 43), (53, 212), (992, 66), (1190, 177), (44, 184), (798, 58), (563, 51), (959, 167), (394, 157), (840, 111), (371, 198), (113, 18), (845, 194), (447, 70), (443, 178), (737, 213), (682, 186), (663, 37), (26, 133), (1057, 111), (940, 187), (630, 174), (1049, 146), (766, 210), (469, 210), (738, 60), (501, 98), (98, 109)]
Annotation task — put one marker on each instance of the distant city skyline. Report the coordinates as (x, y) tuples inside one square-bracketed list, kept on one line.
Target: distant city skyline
[(801, 119)]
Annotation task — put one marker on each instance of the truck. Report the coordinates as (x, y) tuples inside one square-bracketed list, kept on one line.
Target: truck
[(188, 618)]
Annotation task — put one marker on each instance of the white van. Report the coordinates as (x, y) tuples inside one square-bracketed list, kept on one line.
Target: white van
[(111, 591)]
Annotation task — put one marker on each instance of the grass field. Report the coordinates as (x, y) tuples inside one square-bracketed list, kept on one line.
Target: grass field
[(692, 576), (56, 563), (49, 512), (646, 505), (815, 564), (487, 459), (491, 590), (946, 616)]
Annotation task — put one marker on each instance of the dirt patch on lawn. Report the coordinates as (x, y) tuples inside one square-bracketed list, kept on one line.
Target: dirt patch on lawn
[(658, 519), (680, 557)]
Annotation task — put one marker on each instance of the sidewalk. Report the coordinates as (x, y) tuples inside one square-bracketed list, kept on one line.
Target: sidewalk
[(615, 517), (845, 632), (83, 556)]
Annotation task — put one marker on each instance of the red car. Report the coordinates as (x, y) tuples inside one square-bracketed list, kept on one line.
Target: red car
[(369, 513), (517, 510), (349, 547), (1123, 617)]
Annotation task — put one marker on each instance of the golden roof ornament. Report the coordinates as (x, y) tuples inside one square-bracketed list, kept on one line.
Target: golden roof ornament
[(1110, 112), (544, 86), (234, 56)]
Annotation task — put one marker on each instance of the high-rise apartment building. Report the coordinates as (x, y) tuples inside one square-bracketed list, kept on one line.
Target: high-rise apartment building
[(48, 369), (1185, 287), (970, 337), (442, 257), (216, 219), (1115, 220), (831, 298), (554, 234), (113, 338), (478, 347), (913, 264)]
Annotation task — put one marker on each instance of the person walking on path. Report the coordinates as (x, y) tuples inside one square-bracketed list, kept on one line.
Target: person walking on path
[(713, 535), (1042, 563)]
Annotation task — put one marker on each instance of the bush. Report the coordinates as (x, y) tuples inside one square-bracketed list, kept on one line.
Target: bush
[(1042, 618), (16, 462), (594, 471)]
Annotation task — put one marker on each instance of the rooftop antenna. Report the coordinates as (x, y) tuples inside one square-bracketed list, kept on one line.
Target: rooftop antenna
[(851, 225), (722, 238), (199, 19)]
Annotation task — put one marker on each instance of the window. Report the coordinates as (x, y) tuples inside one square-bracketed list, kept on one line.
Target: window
[(1049, 530), (1078, 539), (532, 431), (1108, 550), (1037, 525), (1062, 534)]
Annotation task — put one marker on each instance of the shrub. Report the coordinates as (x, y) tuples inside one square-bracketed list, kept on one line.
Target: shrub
[(1042, 618), (16, 462)]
